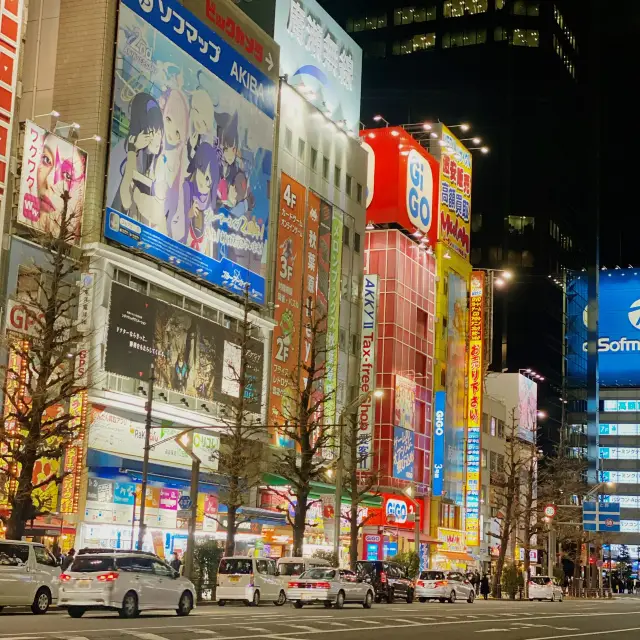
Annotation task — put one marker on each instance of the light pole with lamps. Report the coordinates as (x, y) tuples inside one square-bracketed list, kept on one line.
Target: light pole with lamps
[(350, 408)]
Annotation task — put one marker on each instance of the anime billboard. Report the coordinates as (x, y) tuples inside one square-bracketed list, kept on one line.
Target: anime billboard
[(191, 148)]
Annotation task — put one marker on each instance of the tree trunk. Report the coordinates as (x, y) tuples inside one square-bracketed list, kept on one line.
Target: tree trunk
[(21, 505), (353, 533), (527, 571), (230, 544), (299, 522)]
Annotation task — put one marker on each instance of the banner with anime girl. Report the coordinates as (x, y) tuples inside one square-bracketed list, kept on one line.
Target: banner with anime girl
[(191, 148)]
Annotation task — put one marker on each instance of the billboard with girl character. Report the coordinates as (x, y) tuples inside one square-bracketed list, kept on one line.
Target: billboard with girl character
[(191, 148)]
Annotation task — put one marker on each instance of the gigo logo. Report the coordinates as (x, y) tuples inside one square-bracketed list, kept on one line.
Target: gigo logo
[(419, 190), (398, 510), (439, 423)]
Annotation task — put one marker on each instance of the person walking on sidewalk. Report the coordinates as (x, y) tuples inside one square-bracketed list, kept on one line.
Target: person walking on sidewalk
[(485, 589)]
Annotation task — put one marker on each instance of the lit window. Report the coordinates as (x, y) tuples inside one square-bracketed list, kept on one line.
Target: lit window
[(431, 13), (499, 34), (526, 38), (500, 4), (424, 41), (458, 8), (358, 25)]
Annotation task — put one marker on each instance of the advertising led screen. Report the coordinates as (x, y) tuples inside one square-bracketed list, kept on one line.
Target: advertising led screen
[(190, 149), (191, 355), (51, 166), (320, 59), (618, 326)]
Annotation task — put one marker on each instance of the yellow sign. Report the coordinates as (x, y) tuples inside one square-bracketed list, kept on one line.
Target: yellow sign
[(452, 540)]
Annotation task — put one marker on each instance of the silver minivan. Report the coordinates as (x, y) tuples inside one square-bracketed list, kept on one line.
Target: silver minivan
[(295, 566), (29, 576), (249, 580)]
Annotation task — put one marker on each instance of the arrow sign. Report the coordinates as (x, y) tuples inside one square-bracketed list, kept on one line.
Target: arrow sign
[(185, 502), (269, 60)]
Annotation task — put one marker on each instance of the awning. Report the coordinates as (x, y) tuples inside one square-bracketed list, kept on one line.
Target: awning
[(455, 555), (411, 536)]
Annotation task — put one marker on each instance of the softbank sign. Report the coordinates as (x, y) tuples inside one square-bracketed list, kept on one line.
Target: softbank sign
[(419, 191), (622, 344), (367, 380)]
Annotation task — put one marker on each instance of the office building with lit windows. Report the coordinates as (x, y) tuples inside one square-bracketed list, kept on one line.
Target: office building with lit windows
[(512, 70)]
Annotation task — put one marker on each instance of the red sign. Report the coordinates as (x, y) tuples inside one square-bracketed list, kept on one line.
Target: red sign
[(398, 512), (403, 182)]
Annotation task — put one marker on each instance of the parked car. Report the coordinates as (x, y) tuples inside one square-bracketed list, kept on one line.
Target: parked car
[(249, 580), (545, 588), (28, 576), (388, 579), (444, 586), (332, 587), (126, 582), (288, 567)]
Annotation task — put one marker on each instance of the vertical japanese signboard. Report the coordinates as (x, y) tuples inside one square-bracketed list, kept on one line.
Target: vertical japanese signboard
[(367, 381), (455, 194), (474, 409), (288, 282), (333, 317)]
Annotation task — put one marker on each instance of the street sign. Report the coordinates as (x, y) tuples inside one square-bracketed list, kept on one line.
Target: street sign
[(185, 502), (550, 511), (601, 516)]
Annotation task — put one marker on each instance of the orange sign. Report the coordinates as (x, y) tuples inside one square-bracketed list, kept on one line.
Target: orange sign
[(289, 275)]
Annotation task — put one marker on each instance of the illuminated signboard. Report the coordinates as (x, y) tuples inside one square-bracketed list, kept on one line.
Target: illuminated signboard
[(438, 442), (622, 405), (619, 429), (474, 409), (452, 540)]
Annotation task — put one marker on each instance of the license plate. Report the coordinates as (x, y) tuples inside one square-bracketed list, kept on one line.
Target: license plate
[(307, 596), (234, 579), (84, 584)]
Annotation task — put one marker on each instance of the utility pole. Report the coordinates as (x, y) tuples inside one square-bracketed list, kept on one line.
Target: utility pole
[(195, 481), (145, 463)]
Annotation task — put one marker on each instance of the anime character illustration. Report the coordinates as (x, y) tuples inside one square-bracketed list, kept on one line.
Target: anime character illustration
[(201, 117), (141, 149), (199, 198)]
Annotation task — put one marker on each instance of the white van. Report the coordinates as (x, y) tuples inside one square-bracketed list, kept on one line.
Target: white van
[(249, 580), (288, 567), (29, 576)]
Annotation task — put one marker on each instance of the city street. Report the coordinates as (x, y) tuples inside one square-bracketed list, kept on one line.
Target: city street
[(510, 620)]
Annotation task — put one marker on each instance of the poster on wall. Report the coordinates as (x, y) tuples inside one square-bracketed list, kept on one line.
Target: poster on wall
[(405, 405), (455, 408), (191, 148), (404, 453), (191, 355), (51, 166), (528, 409)]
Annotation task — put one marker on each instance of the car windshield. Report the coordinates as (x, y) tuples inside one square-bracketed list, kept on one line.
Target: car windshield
[(236, 565), (432, 575), (92, 564), (291, 568), (543, 581), (319, 574), (13, 555)]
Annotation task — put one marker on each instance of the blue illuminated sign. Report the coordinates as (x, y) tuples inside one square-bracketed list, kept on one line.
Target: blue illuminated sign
[(403, 453), (599, 516), (618, 323), (440, 404)]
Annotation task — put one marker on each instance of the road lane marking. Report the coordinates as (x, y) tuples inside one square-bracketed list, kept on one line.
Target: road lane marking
[(145, 636), (413, 622), (589, 633), (365, 621), (259, 629), (335, 624), (299, 627), (491, 630)]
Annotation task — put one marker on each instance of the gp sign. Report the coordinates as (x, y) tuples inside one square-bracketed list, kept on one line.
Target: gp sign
[(396, 511), (419, 191)]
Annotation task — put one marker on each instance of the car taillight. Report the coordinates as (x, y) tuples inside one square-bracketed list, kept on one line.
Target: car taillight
[(441, 583), (383, 577), (321, 585), (65, 577), (108, 577), (420, 583), (293, 585)]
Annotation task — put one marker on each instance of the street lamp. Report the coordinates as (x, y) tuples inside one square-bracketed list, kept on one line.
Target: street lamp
[(379, 118), (350, 408)]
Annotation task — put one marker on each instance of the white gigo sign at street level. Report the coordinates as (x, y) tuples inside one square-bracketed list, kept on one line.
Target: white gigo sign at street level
[(550, 511), (367, 381)]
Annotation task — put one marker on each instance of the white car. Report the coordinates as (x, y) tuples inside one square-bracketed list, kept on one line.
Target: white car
[(29, 576), (127, 582), (249, 580), (332, 587), (444, 586), (545, 588)]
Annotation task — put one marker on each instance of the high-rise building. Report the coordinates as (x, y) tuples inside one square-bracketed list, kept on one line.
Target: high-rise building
[(511, 69)]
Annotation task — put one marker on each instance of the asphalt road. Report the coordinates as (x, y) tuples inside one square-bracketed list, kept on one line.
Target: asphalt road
[(619, 619)]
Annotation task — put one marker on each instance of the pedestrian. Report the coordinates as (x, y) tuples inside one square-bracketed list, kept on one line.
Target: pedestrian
[(176, 563), (477, 579), (66, 563), (484, 586)]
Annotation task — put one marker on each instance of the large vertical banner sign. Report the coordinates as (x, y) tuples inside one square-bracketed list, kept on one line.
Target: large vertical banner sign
[(290, 268), (319, 58), (403, 453), (455, 194), (474, 408), (190, 149), (440, 404), (51, 166), (333, 317), (367, 379), (454, 432), (405, 403)]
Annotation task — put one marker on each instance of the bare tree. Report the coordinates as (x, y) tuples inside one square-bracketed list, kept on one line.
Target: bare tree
[(240, 454), (41, 377), (305, 426)]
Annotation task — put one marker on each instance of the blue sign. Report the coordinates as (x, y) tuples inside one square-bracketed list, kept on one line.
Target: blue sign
[(601, 516), (124, 493), (372, 551), (437, 479), (618, 328), (190, 149), (184, 502), (404, 453), (320, 59)]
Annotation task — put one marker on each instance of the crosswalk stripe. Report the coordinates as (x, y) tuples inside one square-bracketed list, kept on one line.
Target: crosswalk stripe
[(364, 621), (298, 627), (144, 636)]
